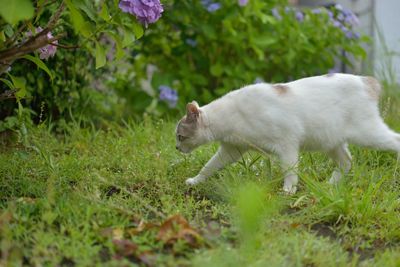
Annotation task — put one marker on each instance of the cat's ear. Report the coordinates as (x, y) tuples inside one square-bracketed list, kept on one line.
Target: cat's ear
[(192, 111)]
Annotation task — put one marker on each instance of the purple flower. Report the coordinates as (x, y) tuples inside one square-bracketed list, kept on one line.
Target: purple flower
[(340, 17), (336, 23), (210, 6), (276, 14), (352, 35), (316, 11), (299, 16), (213, 7), (350, 17), (146, 11), (168, 95), (191, 42), (46, 51), (243, 2), (349, 34)]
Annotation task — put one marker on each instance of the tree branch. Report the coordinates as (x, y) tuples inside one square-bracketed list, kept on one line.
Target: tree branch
[(65, 46), (27, 47), (8, 56), (8, 94)]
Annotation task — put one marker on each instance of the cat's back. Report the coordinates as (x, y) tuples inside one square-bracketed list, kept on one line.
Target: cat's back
[(337, 85), (317, 88)]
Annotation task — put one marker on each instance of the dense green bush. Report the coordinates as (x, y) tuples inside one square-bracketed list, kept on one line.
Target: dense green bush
[(59, 78), (204, 54)]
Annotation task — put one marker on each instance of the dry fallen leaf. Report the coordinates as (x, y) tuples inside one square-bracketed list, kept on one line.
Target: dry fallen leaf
[(141, 227), (125, 247), (177, 228)]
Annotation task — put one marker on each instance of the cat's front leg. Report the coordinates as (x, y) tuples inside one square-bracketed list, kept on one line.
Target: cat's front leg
[(289, 159), (225, 155), (195, 180)]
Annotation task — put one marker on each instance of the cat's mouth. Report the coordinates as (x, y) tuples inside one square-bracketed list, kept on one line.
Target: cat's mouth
[(184, 150)]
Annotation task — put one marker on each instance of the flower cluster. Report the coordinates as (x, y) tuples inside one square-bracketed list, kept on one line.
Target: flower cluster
[(297, 13), (146, 11), (243, 2), (344, 19), (339, 16), (168, 95), (210, 5), (49, 50)]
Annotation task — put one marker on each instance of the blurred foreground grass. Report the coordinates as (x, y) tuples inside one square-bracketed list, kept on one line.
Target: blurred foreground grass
[(105, 197)]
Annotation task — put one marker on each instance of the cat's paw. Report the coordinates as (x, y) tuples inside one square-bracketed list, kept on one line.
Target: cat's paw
[(289, 189), (192, 181), (335, 178)]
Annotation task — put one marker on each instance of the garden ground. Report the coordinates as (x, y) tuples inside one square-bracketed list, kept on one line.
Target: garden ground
[(83, 196)]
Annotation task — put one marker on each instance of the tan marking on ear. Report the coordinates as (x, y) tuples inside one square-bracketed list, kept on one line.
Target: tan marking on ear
[(281, 89), (373, 87)]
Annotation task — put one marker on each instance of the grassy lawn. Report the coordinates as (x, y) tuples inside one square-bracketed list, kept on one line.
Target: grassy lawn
[(116, 196)]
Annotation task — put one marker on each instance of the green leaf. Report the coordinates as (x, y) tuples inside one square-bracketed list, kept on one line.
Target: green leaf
[(79, 23), (86, 7), (8, 83), (264, 41), (40, 8), (216, 70), (8, 30), (119, 53), (16, 10), (40, 64), (209, 31), (104, 14), (138, 30), (2, 36), (129, 38), (100, 56), (19, 83)]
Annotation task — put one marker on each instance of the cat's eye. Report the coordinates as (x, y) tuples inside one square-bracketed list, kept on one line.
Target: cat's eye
[(181, 137)]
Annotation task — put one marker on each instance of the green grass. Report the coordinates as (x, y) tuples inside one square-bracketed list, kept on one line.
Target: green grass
[(67, 196)]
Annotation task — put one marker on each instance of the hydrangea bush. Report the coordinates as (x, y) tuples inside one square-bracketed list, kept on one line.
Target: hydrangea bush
[(204, 49), (69, 41)]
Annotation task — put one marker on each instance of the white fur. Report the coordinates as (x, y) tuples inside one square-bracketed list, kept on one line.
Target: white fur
[(322, 113)]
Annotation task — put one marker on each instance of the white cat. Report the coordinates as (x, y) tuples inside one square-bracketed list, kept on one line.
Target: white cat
[(322, 113)]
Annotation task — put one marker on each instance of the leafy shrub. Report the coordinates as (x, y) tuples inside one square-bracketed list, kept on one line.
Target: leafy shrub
[(204, 50), (33, 34)]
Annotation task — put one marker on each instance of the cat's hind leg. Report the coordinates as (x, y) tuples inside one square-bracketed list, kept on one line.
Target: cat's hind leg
[(342, 157), (225, 155)]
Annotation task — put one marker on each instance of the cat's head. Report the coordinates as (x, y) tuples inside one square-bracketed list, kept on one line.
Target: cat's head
[(190, 131)]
